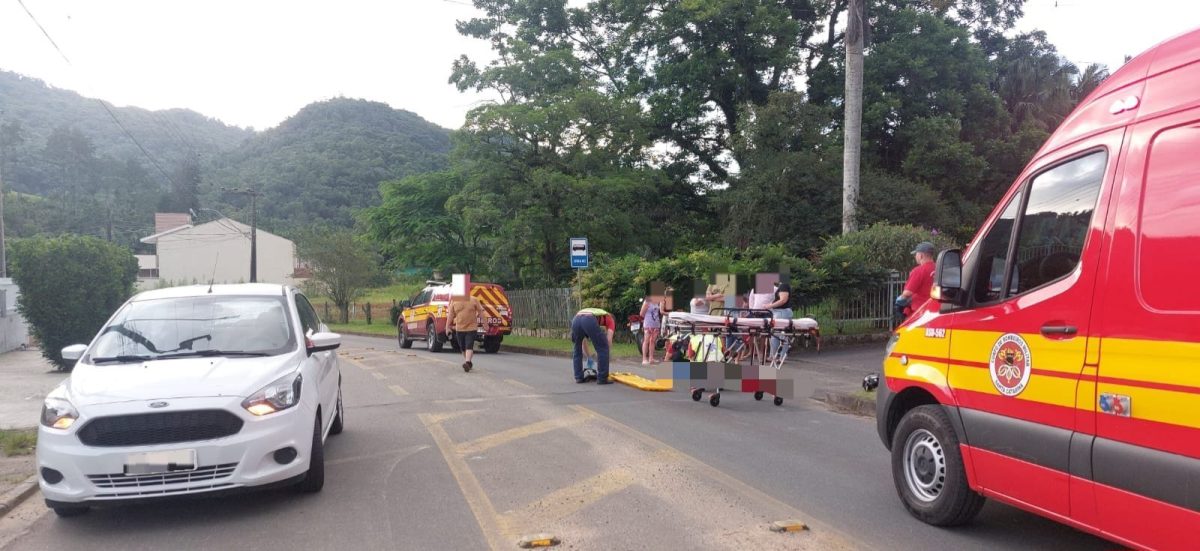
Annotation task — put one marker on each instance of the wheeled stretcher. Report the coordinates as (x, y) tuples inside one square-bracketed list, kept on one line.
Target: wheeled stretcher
[(731, 336)]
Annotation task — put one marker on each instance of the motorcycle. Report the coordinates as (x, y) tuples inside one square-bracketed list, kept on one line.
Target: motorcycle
[(635, 327)]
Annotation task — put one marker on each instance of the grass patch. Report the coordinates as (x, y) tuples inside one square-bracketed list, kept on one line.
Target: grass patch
[(17, 442), (378, 327), (619, 350), (395, 291)]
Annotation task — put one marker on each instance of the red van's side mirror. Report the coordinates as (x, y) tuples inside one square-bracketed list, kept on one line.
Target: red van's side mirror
[(947, 279)]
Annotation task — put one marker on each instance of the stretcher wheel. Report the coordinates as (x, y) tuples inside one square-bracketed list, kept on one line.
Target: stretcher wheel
[(778, 401), (715, 400), (758, 395), (696, 395)]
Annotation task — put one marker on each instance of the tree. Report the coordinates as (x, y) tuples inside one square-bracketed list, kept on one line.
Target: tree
[(416, 225), (69, 287), (342, 266)]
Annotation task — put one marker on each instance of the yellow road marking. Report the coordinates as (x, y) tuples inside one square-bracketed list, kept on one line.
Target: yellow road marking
[(492, 440), (358, 364), (379, 375), (398, 390), (518, 384), (720, 477), (443, 417), (485, 513), (564, 502)]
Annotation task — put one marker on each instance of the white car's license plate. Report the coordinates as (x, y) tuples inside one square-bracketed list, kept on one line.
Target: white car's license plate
[(160, 462), (635, 326)]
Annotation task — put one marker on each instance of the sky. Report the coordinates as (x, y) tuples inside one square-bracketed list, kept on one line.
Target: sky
[(253, 63)]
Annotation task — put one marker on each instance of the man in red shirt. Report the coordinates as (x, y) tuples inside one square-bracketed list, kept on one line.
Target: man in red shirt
[(920, 281)]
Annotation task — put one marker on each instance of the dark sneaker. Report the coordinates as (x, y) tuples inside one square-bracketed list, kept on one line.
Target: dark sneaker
[(467, 366), (580, 381), (604, 381)]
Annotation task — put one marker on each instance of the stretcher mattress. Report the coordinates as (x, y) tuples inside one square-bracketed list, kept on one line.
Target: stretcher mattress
[(709, 320)]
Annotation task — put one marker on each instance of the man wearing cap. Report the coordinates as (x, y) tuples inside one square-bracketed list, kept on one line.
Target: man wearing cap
[(920, 281)]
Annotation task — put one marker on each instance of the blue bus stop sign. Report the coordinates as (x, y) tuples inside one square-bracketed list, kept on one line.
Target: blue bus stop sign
[(579, 252)]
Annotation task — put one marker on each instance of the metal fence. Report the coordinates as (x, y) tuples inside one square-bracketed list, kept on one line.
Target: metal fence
[(552, 309), (873, 306), (543, 308)]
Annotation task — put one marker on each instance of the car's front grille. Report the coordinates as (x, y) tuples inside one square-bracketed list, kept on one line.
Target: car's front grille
[(160, 428), (166, 491), (124, 481)]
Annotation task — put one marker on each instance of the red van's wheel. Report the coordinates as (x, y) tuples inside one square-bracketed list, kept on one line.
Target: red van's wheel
[(927, 468)]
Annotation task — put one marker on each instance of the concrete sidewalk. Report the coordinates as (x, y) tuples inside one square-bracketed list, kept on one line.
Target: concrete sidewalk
[(836, 375), (27, 379)]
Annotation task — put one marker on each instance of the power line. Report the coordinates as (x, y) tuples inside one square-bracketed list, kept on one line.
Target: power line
[(102, 103)]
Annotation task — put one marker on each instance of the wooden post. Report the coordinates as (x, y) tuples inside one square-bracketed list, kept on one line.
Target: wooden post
[(367, 310)]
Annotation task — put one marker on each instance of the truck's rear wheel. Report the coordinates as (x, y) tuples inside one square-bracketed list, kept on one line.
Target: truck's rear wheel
[(491, 345), (432, 342), (927, 468)]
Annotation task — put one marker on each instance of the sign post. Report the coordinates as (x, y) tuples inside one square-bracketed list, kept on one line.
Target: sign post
[(579, 252)]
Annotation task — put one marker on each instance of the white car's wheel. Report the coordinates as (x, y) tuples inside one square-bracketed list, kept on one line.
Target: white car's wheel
[(336, 428), (314, 479)]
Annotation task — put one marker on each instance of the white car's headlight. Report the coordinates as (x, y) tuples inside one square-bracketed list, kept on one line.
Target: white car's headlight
[(57, 411), (281, 394)]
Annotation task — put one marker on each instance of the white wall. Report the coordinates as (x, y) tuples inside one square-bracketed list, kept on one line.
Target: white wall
[(13, 330), (192, 254)]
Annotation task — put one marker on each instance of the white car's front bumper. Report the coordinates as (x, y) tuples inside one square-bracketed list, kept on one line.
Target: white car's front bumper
[(247, 458)]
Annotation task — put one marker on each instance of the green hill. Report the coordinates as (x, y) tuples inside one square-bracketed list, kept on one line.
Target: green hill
[(170, 136), (328, 160), (317, 166)]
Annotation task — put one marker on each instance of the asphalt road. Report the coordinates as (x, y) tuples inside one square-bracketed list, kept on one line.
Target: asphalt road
[(434, 458)]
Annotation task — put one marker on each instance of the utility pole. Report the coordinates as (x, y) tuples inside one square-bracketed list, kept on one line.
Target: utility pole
[(254, 195), (3, 245), (856, 30)]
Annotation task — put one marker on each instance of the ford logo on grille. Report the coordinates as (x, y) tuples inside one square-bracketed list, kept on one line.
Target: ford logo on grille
[(158, 404)]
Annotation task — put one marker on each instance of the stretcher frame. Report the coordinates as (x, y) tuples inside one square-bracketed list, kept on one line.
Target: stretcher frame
[(737, 327)]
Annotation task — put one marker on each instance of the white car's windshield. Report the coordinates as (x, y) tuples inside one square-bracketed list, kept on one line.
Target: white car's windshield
[(196, 326)]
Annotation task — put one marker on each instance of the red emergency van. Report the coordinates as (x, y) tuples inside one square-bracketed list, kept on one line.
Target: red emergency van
[(1057, 368)]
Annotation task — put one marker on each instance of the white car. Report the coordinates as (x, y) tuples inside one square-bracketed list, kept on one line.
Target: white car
[(193, 390)]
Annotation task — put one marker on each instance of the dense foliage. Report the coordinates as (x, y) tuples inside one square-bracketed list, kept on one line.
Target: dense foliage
[(674, 125), (617, 284), (69, 287)]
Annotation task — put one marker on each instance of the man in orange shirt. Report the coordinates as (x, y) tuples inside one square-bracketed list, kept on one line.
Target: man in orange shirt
[(920, 281), (462, 322)]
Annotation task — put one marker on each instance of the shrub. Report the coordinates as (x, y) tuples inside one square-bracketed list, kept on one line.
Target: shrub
[(887, 246), (613, 284), (70, 286)]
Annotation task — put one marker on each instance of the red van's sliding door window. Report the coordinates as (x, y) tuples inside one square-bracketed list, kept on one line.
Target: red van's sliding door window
[(1169, 244)]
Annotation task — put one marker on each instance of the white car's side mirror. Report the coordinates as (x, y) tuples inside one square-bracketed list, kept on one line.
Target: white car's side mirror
[(74, 352), (320, 342)]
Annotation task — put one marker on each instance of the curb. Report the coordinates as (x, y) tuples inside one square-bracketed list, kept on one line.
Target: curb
[(14, 497), (848, 402)]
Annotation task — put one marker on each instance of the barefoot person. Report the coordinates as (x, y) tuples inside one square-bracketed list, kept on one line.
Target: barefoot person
[(462, 322), (651, 325)]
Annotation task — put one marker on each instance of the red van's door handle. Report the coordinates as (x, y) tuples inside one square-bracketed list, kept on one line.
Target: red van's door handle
[(1059, 330)]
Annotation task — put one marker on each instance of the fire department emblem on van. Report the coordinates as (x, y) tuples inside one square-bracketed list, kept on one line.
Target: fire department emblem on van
[(1010, 365)]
